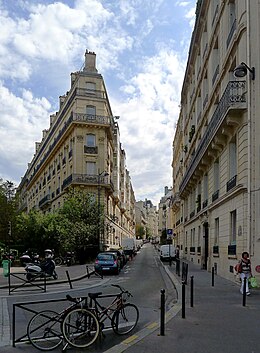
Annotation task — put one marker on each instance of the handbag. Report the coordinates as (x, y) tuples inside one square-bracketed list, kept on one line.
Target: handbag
[(238, 267), (253, 282)]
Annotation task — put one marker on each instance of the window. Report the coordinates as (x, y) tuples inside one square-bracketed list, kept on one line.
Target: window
[(205, 187), (232, 159), (90, 140), (233, 227), (91, 168), (216, 231), (216, 175), (91, 111), (91, 86)]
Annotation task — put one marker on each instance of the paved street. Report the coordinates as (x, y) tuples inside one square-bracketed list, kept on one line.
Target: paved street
[(218, 322)]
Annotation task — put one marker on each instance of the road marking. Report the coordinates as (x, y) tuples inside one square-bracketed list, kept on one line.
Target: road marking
[(152, 325), (130, 339)]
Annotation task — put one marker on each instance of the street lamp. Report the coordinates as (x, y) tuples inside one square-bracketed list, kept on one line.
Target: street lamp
[(100, 175), (241, 71)]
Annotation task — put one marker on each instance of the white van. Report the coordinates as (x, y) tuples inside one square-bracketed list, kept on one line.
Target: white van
[(166, 251)]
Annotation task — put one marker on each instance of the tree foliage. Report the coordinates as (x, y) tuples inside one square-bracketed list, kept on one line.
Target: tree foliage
[(8, 212), (75, 226)]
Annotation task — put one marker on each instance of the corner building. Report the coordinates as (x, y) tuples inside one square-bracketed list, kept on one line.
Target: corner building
[(82, 148), (216, 176)]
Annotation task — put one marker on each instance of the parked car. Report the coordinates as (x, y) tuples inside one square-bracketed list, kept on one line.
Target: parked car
[(107, 262), (121, 255)]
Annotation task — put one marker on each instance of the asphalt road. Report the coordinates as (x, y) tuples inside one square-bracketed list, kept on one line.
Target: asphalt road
[(144, 277)]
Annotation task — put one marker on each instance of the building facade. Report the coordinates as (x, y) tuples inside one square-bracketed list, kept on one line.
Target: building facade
[(216, 176), (81, 148), (147, 218)]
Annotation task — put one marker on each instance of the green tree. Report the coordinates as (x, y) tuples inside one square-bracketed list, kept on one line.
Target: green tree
[(139, 231), (80, 229), (8, 212)]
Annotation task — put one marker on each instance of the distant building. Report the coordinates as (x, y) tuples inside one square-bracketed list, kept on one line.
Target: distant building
[(147, 217), (216, 148), (81, 148), (164, 213)]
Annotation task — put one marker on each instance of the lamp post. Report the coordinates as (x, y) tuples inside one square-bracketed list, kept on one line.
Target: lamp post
[(100, 244)]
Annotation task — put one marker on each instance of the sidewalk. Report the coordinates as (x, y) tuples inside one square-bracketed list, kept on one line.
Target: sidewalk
[(217, 322)]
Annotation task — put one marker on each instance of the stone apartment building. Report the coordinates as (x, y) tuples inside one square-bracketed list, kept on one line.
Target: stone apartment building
[(216, 176), (81, 148)]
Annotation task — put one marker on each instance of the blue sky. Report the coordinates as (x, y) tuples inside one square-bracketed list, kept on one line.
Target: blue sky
[(141, 48)]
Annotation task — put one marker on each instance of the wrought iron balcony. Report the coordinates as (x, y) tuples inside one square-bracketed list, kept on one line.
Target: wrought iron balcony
[(87, 179), (90, 150), (44, 201), (215, 196), (232, 183), (232, 98)]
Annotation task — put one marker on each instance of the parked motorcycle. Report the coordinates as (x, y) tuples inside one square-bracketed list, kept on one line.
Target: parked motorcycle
[(29, 257), (44, 269)]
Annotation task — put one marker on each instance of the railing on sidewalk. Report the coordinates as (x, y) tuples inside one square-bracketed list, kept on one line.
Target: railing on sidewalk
[(25, 283), (28, 307)]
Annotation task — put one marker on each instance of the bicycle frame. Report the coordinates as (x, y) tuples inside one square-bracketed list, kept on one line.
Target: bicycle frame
[(105, 313)]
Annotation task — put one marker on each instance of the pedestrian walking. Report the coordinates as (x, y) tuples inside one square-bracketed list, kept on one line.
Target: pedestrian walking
[(244, 268)]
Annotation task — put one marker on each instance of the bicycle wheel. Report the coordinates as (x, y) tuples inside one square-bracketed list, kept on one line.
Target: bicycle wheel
[(80, 328), (125, 319), (44, 330), (58, 261)]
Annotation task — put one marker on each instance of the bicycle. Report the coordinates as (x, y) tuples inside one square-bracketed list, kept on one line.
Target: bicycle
[(44, 330), (78, 324)]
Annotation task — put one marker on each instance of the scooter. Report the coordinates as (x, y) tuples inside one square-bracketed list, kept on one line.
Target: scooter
[(26, 258), (45, 269)]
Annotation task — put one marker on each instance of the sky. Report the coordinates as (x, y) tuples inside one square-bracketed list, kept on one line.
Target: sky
[(141, 51)]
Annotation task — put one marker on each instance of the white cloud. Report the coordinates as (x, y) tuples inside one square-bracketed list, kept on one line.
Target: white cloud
[(42, 42), (22, 120), (148, 119)]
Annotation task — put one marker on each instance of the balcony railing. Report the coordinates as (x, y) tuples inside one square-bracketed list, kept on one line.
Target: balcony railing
[(232, 183), (45, 200), (233, 96), (86, 179), (205, 203), (90, 150), (215, 196)]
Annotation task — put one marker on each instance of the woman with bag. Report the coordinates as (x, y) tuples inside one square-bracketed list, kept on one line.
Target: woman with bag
[(245, 271)]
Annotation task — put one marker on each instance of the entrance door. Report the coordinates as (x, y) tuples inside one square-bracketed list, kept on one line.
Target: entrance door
[(206, 245)]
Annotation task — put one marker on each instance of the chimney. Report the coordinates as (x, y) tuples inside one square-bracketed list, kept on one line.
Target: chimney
[(90, 62)]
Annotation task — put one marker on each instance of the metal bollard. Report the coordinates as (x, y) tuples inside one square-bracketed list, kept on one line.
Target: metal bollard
[(191, 290), (162, 312), (212, 276), (183, 301), (68, 276), (244, 291), (178, 261)]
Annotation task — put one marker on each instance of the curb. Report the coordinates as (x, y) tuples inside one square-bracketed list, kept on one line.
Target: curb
[(151, 327)]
